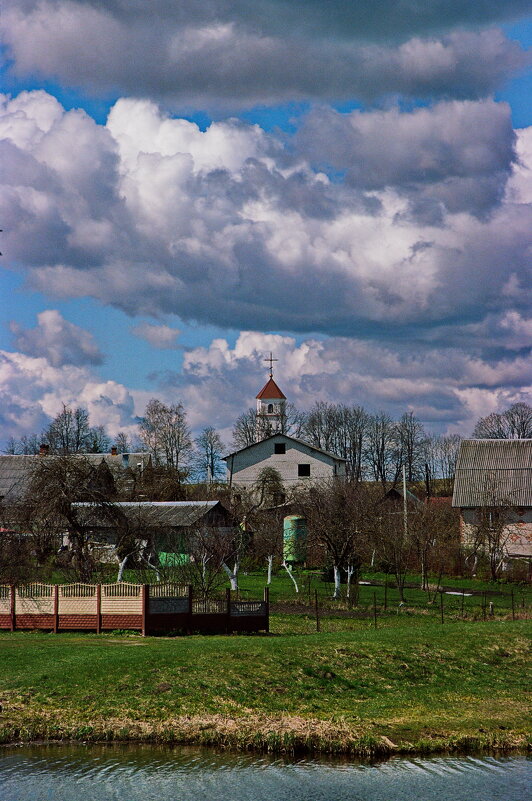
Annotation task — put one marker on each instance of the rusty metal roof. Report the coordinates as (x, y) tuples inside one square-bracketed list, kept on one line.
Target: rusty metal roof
[(491, 472), (271, 391)]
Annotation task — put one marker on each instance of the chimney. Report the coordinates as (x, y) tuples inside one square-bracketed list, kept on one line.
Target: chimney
[(114, 451), (43, 450)]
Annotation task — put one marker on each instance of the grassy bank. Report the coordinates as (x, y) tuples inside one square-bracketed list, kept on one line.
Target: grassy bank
[(426, 688)]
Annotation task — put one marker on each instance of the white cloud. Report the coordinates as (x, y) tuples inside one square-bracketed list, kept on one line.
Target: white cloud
[(59, 341), (158, 336)]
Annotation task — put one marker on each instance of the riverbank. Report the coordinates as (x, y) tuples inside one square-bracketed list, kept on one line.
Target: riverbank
[(424, 689)]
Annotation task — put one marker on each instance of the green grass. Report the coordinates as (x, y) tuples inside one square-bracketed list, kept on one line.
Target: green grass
[(425, 687)]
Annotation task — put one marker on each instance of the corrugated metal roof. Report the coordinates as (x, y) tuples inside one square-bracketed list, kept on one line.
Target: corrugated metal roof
[(492, 472), (171, 514), (15, 469)]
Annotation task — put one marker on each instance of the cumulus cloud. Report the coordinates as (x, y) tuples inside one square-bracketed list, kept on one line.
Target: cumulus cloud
[(234, 227), (158, 336), (447, 387), (59, 341), (32, 391), (243, 53)]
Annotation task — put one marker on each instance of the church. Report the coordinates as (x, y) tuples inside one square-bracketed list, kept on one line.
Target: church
[(296, 461)]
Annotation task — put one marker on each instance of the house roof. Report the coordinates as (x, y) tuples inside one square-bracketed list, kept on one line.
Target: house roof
[(171, 514), (396, 493), (15, 469), (291, 439), (492, 472), (271, 391)]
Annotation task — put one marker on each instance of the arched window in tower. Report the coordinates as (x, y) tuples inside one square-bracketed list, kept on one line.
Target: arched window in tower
[(270, 408)]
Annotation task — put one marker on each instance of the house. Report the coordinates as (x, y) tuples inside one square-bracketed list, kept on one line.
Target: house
[(16, 470), (494, 481), (297, 462), (166, 526)]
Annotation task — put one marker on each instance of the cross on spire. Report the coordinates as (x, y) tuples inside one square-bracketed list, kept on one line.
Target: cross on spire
[(271, 360)]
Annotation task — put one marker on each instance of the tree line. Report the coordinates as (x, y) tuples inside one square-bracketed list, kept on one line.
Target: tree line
[(374, 445)]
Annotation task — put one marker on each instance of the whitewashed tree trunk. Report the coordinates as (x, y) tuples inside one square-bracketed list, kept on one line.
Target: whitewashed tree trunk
[(121, 567), (269, 559), (336, 571), (153, 567), (373, 558), (232, 575), (350, 571), (289, 571)]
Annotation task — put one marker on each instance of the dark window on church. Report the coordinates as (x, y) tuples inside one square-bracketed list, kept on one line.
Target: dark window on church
[(303, 470), (279, 447), (270, 408)]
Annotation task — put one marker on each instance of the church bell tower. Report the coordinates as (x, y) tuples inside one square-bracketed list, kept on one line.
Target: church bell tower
[(271, 403)]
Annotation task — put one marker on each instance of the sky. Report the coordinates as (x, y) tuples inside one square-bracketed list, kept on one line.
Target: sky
[(190, 185)]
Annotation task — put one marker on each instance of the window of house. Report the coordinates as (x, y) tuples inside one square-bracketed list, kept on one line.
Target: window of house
[(303, 470), (270, 408), (279, 447)]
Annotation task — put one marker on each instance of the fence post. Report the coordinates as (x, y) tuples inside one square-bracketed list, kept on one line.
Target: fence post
[(189, 622), (375, 609), (484, 604), (441, 606), (267, 602), (317, 610), (228, 627), (98, 609), (12, 609), (513, 605), (145, 601), (56, 608)]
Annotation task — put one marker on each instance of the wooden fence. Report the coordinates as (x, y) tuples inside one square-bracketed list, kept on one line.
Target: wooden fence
[(148, 608)]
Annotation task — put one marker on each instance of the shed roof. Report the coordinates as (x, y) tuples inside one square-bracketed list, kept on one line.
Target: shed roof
[(15, 469), (170, 514), (492, 472)]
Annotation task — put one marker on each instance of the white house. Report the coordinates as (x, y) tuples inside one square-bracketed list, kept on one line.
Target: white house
[(296, 461)]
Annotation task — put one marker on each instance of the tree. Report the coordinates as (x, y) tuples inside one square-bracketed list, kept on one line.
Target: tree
[(383, 453), (411, 439), (337, 516), (165, 432), (208, 456), (492, 526), (251, 427), (69, 431), (339, 429), (514, 423), (47, 508), (441, 453)]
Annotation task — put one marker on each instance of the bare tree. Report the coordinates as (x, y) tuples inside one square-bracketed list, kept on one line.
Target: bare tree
[(337, 516), (383, 453), (514, 423), (491, 527), (411, 439), (48, 505), (69, 431), (208, 455), (165, 432)]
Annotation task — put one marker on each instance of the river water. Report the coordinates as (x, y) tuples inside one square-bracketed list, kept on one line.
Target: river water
[(148, 773)]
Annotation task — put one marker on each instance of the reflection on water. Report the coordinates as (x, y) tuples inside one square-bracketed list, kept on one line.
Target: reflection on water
[(127, 773)]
